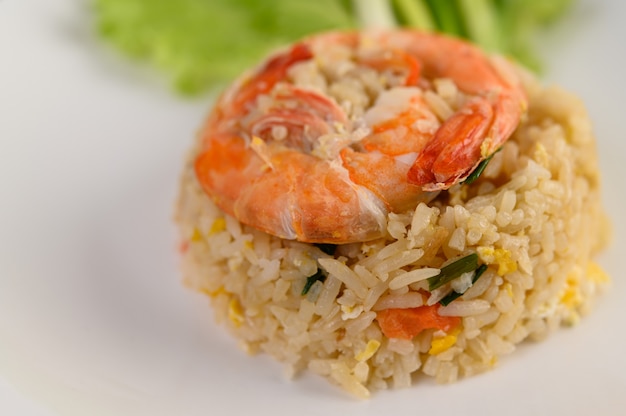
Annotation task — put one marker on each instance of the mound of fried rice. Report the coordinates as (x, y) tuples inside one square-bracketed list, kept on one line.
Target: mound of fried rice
[(534, 217)]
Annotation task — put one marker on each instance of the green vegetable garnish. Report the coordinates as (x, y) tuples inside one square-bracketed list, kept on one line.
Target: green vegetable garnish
[(454, 295), (327, 248), (481, 23), (447, 16), (205, 42), (319, 276), (453, 270), (479, 169), (520, 20), (414, 13)]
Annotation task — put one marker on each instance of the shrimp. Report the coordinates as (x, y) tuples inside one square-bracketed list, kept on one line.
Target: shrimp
[(297, 162)]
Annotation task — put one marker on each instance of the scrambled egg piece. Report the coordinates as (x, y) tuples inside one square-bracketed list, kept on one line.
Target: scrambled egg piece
[(499, 256), (485, 147), (369, 351), (441, 344), (494, 361), (596, 274), (235, 312), (213, 293), (541, 155), (219, 225), (196, 235), (571, 296), (350, 312)]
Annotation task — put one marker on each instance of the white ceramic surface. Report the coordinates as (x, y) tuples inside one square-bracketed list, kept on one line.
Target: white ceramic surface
[(93, 318)]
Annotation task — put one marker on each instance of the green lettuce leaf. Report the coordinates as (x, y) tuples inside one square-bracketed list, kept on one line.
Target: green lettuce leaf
[(203, 42)]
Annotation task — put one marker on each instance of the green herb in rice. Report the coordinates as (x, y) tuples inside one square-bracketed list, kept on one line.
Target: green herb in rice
[(319, 276), (455, 295), (453, 270)]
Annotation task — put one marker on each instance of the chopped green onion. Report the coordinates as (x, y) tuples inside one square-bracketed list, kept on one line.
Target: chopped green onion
[(454, 295), (446, 15), (453, 270), (479, 169), (546, 11), (375, 14), (481, 24), (319, 276), (414, 13), (327, 248)]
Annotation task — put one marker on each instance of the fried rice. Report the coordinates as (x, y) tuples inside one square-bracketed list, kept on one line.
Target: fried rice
[(534, 218)]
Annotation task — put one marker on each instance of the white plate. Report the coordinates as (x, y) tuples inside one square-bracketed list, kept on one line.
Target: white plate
[(93, 318)]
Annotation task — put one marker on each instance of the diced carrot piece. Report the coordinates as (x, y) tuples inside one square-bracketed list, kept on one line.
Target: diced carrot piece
[(183, 246), (407, 323)]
